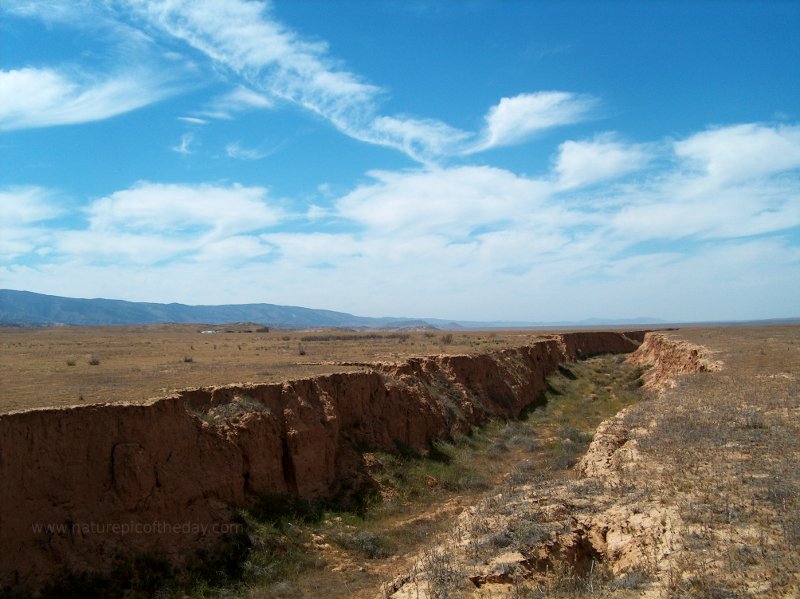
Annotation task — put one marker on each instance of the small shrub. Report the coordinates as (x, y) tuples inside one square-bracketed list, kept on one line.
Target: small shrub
[(447, 339), (301, 349), (632, 580), (70, 362), (188, 359), (94, 361), (367, 543), (444, 576)]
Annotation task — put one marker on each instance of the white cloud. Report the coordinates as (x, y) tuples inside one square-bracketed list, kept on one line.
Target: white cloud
[(242, 36), (724, 186), (515, 119), (151, 224), (420, 139), (26, 205), (120, 247), (585, 162), (183, 146), (236, 249), (736, 153), (459, 198), (245, 38), (23, 212), (31, 97), (270, 63), (307, 249), (235, 150), (192, 210), (237, 100), (193, 120), (459, 242), (269, 57), (673, 210)]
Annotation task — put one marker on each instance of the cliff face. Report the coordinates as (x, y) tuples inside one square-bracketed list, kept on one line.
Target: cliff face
[(671, 357), (82, 485)]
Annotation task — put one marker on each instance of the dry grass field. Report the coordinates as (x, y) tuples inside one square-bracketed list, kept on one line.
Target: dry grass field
[(690, 492), (70, 365)]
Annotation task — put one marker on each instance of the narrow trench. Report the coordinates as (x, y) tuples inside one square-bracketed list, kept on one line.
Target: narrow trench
[(321, 552)]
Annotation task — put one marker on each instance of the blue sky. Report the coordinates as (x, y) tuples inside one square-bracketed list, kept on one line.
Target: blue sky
[(475, 160)]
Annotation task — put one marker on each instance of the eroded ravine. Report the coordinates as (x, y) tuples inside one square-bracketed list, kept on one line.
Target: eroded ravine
[(492, 466), (184, 462)]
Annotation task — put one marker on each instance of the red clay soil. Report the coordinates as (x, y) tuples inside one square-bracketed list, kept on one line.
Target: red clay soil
[(87, 484)]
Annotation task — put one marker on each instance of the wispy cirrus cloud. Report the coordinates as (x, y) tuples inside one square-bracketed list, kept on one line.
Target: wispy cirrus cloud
[(236, 100), (515, 119), (267, 63), (34, 97), (243, 37), (239, 152), (127, 72), (184, 146)]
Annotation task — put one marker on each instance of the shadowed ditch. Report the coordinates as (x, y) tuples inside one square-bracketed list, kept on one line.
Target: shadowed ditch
[(349, 545)]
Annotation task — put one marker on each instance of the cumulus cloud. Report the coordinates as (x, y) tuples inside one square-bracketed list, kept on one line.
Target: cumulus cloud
[(153, 223), (31, 97), (507, 246), (732, 154), (585, 162), (459, 199), (188, 209)]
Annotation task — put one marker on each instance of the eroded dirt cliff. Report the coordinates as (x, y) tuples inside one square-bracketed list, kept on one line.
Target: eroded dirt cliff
[(86, 485), (597, 521), (670, 358)]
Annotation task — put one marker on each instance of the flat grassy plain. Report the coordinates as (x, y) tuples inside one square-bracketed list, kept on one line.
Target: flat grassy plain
[(60, 366)]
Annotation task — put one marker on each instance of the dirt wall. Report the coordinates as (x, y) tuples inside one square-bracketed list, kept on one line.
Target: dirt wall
[(85, 485), (670, 358)]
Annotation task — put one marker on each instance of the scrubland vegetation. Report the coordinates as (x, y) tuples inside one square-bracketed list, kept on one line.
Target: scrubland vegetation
[(67, 365)]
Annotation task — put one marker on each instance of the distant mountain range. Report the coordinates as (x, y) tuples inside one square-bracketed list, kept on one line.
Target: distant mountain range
[(24, 308), (32, 309)]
